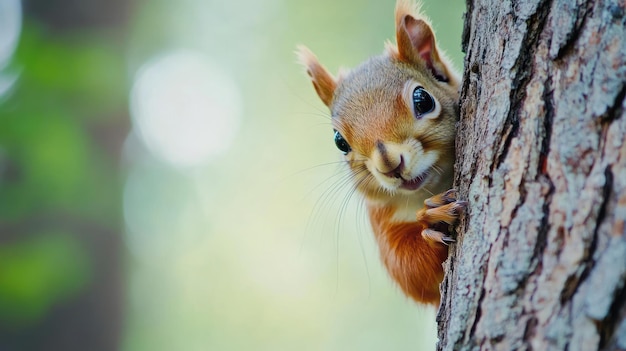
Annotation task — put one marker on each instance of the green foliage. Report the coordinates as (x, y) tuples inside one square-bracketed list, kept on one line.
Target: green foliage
[(39, 272), (84, 73), (56, 165), (49, 126)]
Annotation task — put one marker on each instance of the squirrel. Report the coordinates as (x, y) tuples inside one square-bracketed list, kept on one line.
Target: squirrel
[(394, 121)]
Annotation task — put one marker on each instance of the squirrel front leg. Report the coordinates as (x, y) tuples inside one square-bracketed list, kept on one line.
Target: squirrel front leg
[(413, 252)]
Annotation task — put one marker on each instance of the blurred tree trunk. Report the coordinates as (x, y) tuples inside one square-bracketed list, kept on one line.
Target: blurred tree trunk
[(90, 315), (540, 262)]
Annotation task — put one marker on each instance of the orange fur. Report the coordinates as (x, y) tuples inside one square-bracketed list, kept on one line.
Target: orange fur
[(400, 156), (323, 82), (410, 260)]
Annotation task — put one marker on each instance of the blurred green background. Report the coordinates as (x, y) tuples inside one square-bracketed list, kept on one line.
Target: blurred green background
[(168, 179)]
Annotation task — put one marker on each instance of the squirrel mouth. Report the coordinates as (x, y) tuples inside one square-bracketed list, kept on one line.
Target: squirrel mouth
[(413, 184)]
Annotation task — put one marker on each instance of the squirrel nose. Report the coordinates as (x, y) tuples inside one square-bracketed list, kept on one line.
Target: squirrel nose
[(396, 172)]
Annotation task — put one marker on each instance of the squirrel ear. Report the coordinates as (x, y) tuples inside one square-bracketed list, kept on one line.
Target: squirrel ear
[(416, 44), (323, 82)]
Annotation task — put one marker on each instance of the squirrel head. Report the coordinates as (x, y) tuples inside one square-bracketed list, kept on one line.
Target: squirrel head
[(394, 115)]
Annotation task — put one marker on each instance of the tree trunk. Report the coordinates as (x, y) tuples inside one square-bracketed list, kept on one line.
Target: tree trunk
[(540, 261)]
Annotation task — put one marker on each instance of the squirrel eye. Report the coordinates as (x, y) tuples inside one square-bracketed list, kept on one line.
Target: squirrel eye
[(422, 101), (341, 143)]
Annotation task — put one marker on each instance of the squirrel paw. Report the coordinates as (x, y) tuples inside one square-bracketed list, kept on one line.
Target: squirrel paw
[(441, 211), (441, 199)]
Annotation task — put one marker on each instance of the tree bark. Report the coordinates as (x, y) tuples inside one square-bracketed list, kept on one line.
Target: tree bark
[(540, 260)]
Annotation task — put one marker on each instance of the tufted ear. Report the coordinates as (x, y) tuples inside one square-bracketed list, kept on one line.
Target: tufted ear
[(416, 42), (323, 82)]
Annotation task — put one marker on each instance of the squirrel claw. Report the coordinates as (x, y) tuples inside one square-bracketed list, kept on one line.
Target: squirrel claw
[(447, 240), (440, 210), (437, 236), (460, 206), (450, 195)]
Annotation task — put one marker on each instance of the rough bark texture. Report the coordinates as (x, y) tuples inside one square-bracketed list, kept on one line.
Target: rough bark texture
[(540, 262)]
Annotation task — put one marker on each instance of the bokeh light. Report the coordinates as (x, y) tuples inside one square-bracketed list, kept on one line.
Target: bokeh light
[(160, 213), (185, 108), (10, 28)]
